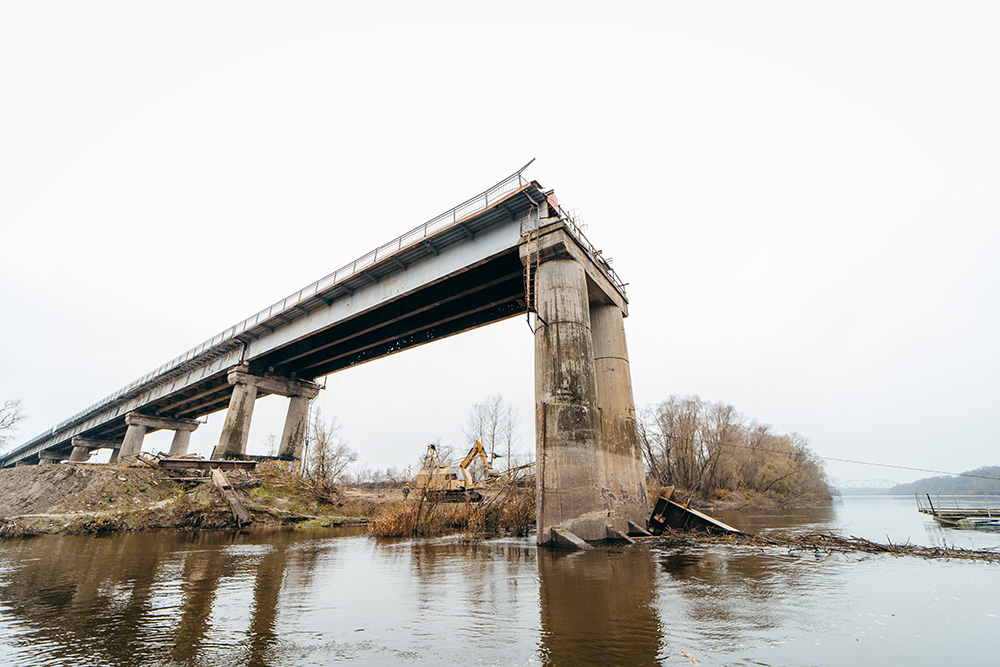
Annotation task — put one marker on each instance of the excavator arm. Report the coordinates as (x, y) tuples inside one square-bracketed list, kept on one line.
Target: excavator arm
[(478, 450)]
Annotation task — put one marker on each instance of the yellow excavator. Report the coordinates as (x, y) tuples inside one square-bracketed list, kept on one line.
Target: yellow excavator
[(452, 481)]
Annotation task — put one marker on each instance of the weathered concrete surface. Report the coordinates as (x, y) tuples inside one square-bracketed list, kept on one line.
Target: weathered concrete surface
[(79, 453), (156, 423), (180, 443), (293, 436), (236, 428), (624, 482), (50, 457), (568, 451), (589, 473), (132, 444)]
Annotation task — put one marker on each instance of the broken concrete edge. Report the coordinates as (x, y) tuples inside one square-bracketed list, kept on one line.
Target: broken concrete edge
[(563, 539), (618, 536), (635, 530)]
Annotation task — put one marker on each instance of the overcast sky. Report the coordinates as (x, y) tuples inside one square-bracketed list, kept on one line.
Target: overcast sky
[(803, 197)]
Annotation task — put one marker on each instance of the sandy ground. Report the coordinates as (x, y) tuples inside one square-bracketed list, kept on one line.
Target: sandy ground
[(96, 498)]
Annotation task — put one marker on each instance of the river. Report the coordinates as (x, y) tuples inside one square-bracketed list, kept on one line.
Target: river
[(299, 598)]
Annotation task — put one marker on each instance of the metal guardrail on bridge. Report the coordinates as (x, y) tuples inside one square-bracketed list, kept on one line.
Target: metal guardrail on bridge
[(450, 217)]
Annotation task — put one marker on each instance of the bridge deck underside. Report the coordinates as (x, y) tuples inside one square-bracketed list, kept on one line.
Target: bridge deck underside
[(486, 293)]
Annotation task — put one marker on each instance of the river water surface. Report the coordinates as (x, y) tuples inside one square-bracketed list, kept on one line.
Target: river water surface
[(296, 598)]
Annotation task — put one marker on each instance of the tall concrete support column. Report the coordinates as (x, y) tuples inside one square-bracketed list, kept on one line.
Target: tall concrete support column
[(624, 476), (236, 429), (569, 458), (132, 444), (293, 435), (79, 453), (180, 443)]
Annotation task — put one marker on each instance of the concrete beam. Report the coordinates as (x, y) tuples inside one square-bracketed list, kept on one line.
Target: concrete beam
[(95, 443), (274, 385), (567, 540), (51, 457), (156, 423), (554, 241)]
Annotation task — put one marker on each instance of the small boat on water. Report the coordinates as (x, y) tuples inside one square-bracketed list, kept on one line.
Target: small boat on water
[(976, 523)]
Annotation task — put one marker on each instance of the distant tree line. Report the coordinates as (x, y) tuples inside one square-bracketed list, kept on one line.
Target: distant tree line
[(959, 486), (710, 450)]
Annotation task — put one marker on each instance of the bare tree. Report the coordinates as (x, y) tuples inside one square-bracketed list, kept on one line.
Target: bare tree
[(493, 422), (271, 444), (329, 454), (10, 415)]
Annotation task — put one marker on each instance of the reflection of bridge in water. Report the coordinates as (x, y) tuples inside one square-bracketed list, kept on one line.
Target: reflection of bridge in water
[(290, 598), (507, 251)]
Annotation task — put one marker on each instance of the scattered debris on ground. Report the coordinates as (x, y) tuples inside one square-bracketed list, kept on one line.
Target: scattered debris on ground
[(100, 498), (821, 543)]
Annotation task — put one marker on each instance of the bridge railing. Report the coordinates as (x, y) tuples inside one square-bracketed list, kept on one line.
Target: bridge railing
[(574, 227), (415, 235)]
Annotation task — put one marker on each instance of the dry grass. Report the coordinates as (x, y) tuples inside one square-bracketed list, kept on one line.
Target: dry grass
[(510, 511)]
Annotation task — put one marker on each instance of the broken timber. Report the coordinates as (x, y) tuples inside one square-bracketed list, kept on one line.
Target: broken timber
[(240, 512)]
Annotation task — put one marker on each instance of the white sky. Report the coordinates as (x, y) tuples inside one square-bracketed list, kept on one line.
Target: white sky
[(803, 197)]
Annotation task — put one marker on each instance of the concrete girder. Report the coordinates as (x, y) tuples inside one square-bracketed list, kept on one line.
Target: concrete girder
[(157, 423)]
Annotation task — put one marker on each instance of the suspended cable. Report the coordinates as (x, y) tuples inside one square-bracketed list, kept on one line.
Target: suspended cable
[(831, 458)]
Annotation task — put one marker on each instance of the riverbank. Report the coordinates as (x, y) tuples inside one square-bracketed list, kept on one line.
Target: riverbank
[(81, 498)]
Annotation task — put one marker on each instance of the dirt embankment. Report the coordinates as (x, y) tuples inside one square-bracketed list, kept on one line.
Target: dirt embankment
[(91, 498)]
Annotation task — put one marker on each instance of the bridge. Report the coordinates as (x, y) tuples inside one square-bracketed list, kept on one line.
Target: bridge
[(507, 251)]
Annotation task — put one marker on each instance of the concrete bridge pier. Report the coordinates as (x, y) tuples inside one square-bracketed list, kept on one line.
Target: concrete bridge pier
[(139, 425), (589, 474), (50, 457), (569, 457), (236, 429), (83, 447), (624, 484), (293, 435)]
